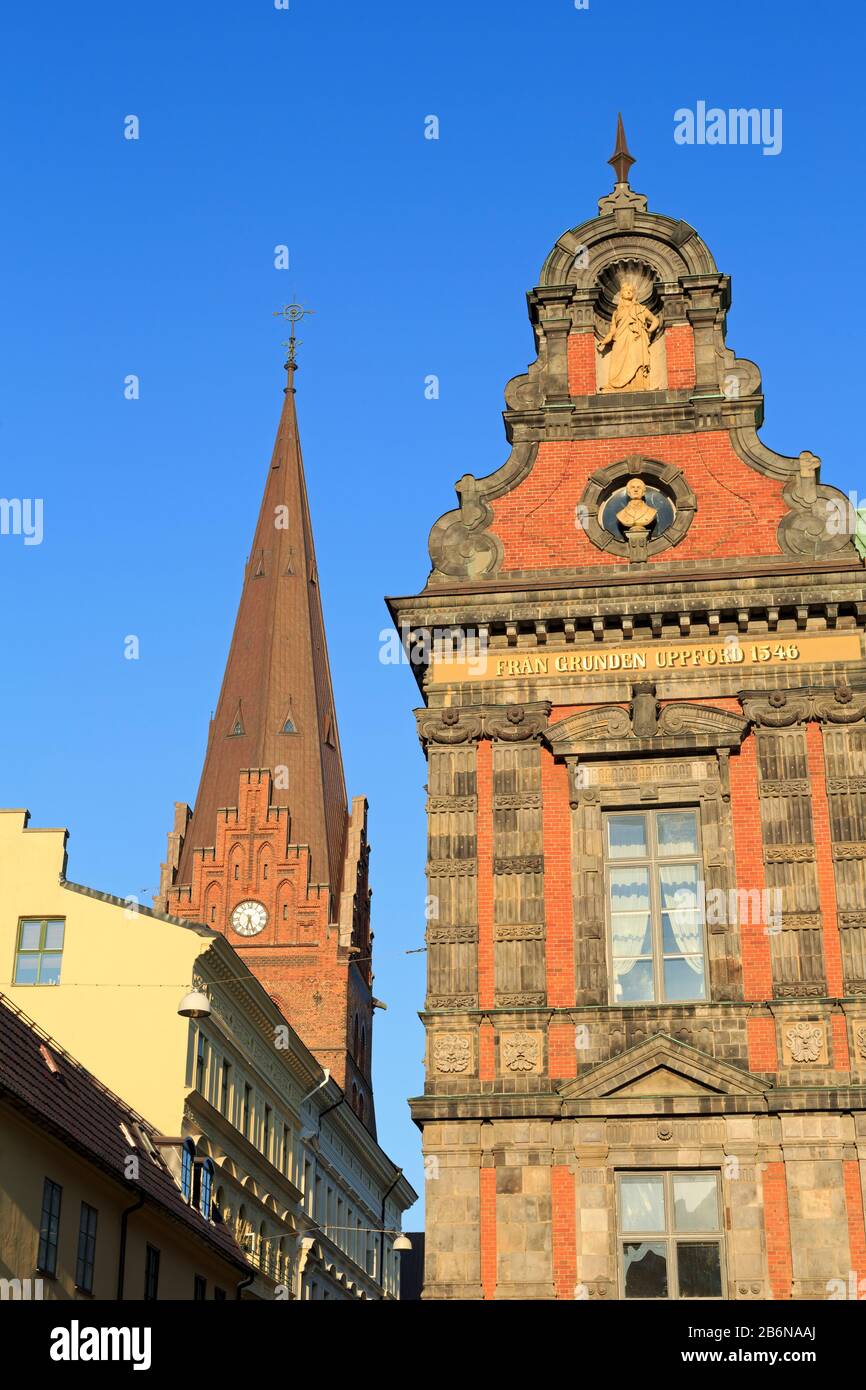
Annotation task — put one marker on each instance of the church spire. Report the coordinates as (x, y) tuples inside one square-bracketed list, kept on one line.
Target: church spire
[(276, 706)]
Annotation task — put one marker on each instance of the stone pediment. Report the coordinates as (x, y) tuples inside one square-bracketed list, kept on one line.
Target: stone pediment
[(643, 727), (662, 1066)]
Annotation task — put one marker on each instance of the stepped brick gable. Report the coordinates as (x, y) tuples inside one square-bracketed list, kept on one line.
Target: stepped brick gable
[(640, 657)]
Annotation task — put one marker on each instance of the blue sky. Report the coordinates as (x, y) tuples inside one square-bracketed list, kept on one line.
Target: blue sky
[(305, 127)]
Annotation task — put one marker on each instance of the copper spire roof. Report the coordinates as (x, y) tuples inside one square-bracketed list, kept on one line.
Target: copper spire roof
[(276, 706)]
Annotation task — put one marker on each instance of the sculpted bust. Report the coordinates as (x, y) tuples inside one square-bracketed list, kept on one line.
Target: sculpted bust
[(636, 514)]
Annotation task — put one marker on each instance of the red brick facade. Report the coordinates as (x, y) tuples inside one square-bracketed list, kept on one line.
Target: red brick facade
[(540, 521)]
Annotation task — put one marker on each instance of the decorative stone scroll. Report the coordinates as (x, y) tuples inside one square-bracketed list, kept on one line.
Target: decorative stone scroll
[(466, 724), (615, 729), (781, 709)]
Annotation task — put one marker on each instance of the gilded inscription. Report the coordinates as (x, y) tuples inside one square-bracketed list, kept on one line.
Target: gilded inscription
[(674, 656)]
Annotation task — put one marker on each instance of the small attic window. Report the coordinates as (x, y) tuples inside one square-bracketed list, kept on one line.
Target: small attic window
[(289, 725), (237, 727)]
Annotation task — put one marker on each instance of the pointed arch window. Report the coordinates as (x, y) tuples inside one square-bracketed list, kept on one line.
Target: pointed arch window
[(289, 724), (237, 724)]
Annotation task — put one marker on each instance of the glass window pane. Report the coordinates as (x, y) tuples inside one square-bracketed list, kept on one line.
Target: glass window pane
[(677, 833), (53, 936), (642, 1204), (27, 970), (679, 887), (50, 972), (682, 933), (684, 978), (646, 1270), (31, 934), (630, 934), (699, 1269), (626, 837), (696, 1202), (629, 890), (633, 982)]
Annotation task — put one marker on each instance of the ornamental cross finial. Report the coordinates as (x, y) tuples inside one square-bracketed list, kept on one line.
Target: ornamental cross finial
[(293, 313), (621, 159)]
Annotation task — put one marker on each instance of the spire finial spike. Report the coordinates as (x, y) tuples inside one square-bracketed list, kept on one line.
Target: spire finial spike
[(621, 159), (292, 313)]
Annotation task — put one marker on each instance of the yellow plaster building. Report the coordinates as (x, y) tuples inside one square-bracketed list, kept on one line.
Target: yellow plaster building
[(312, 1198)]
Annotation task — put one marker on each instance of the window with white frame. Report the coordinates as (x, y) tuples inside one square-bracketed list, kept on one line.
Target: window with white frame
[(670, 1235), (655, 905)]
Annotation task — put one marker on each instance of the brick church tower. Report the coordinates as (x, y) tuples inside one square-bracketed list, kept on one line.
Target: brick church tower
[(646, 738), (271, 856)]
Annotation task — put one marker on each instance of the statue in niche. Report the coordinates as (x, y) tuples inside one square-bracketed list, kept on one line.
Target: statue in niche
[(636, 515), (631, 329)]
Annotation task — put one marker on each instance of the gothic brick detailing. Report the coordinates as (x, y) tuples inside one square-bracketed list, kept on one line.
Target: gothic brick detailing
[(824, 859), (564, 1230), (278, 663), (557, 886), (777, 1231), (680, 348), (748, 851), (316, 969), (271, 856), (856, 1227), (762, 1044), (487, 1195)]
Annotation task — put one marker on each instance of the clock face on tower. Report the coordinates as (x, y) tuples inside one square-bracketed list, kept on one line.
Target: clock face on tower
[(249, 918)]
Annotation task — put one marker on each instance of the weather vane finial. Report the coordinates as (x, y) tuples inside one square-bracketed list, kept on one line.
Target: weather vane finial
[(293, 313), (621, 159)]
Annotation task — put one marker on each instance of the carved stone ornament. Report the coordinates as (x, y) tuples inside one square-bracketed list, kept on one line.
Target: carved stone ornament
[(516, 724), (461, 547), (520, 1051), (780, 709), (456, 724), (805, 1041), (612, 729), (451, 1052), (861, 1043), (818, 523), (449, 726)]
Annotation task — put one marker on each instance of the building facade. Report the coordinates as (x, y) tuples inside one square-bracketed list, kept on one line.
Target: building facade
[(640, 650), (89, 1207), (295, 1175)]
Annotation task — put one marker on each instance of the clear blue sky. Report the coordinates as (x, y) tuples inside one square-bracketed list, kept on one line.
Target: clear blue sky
[(155, 257)]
